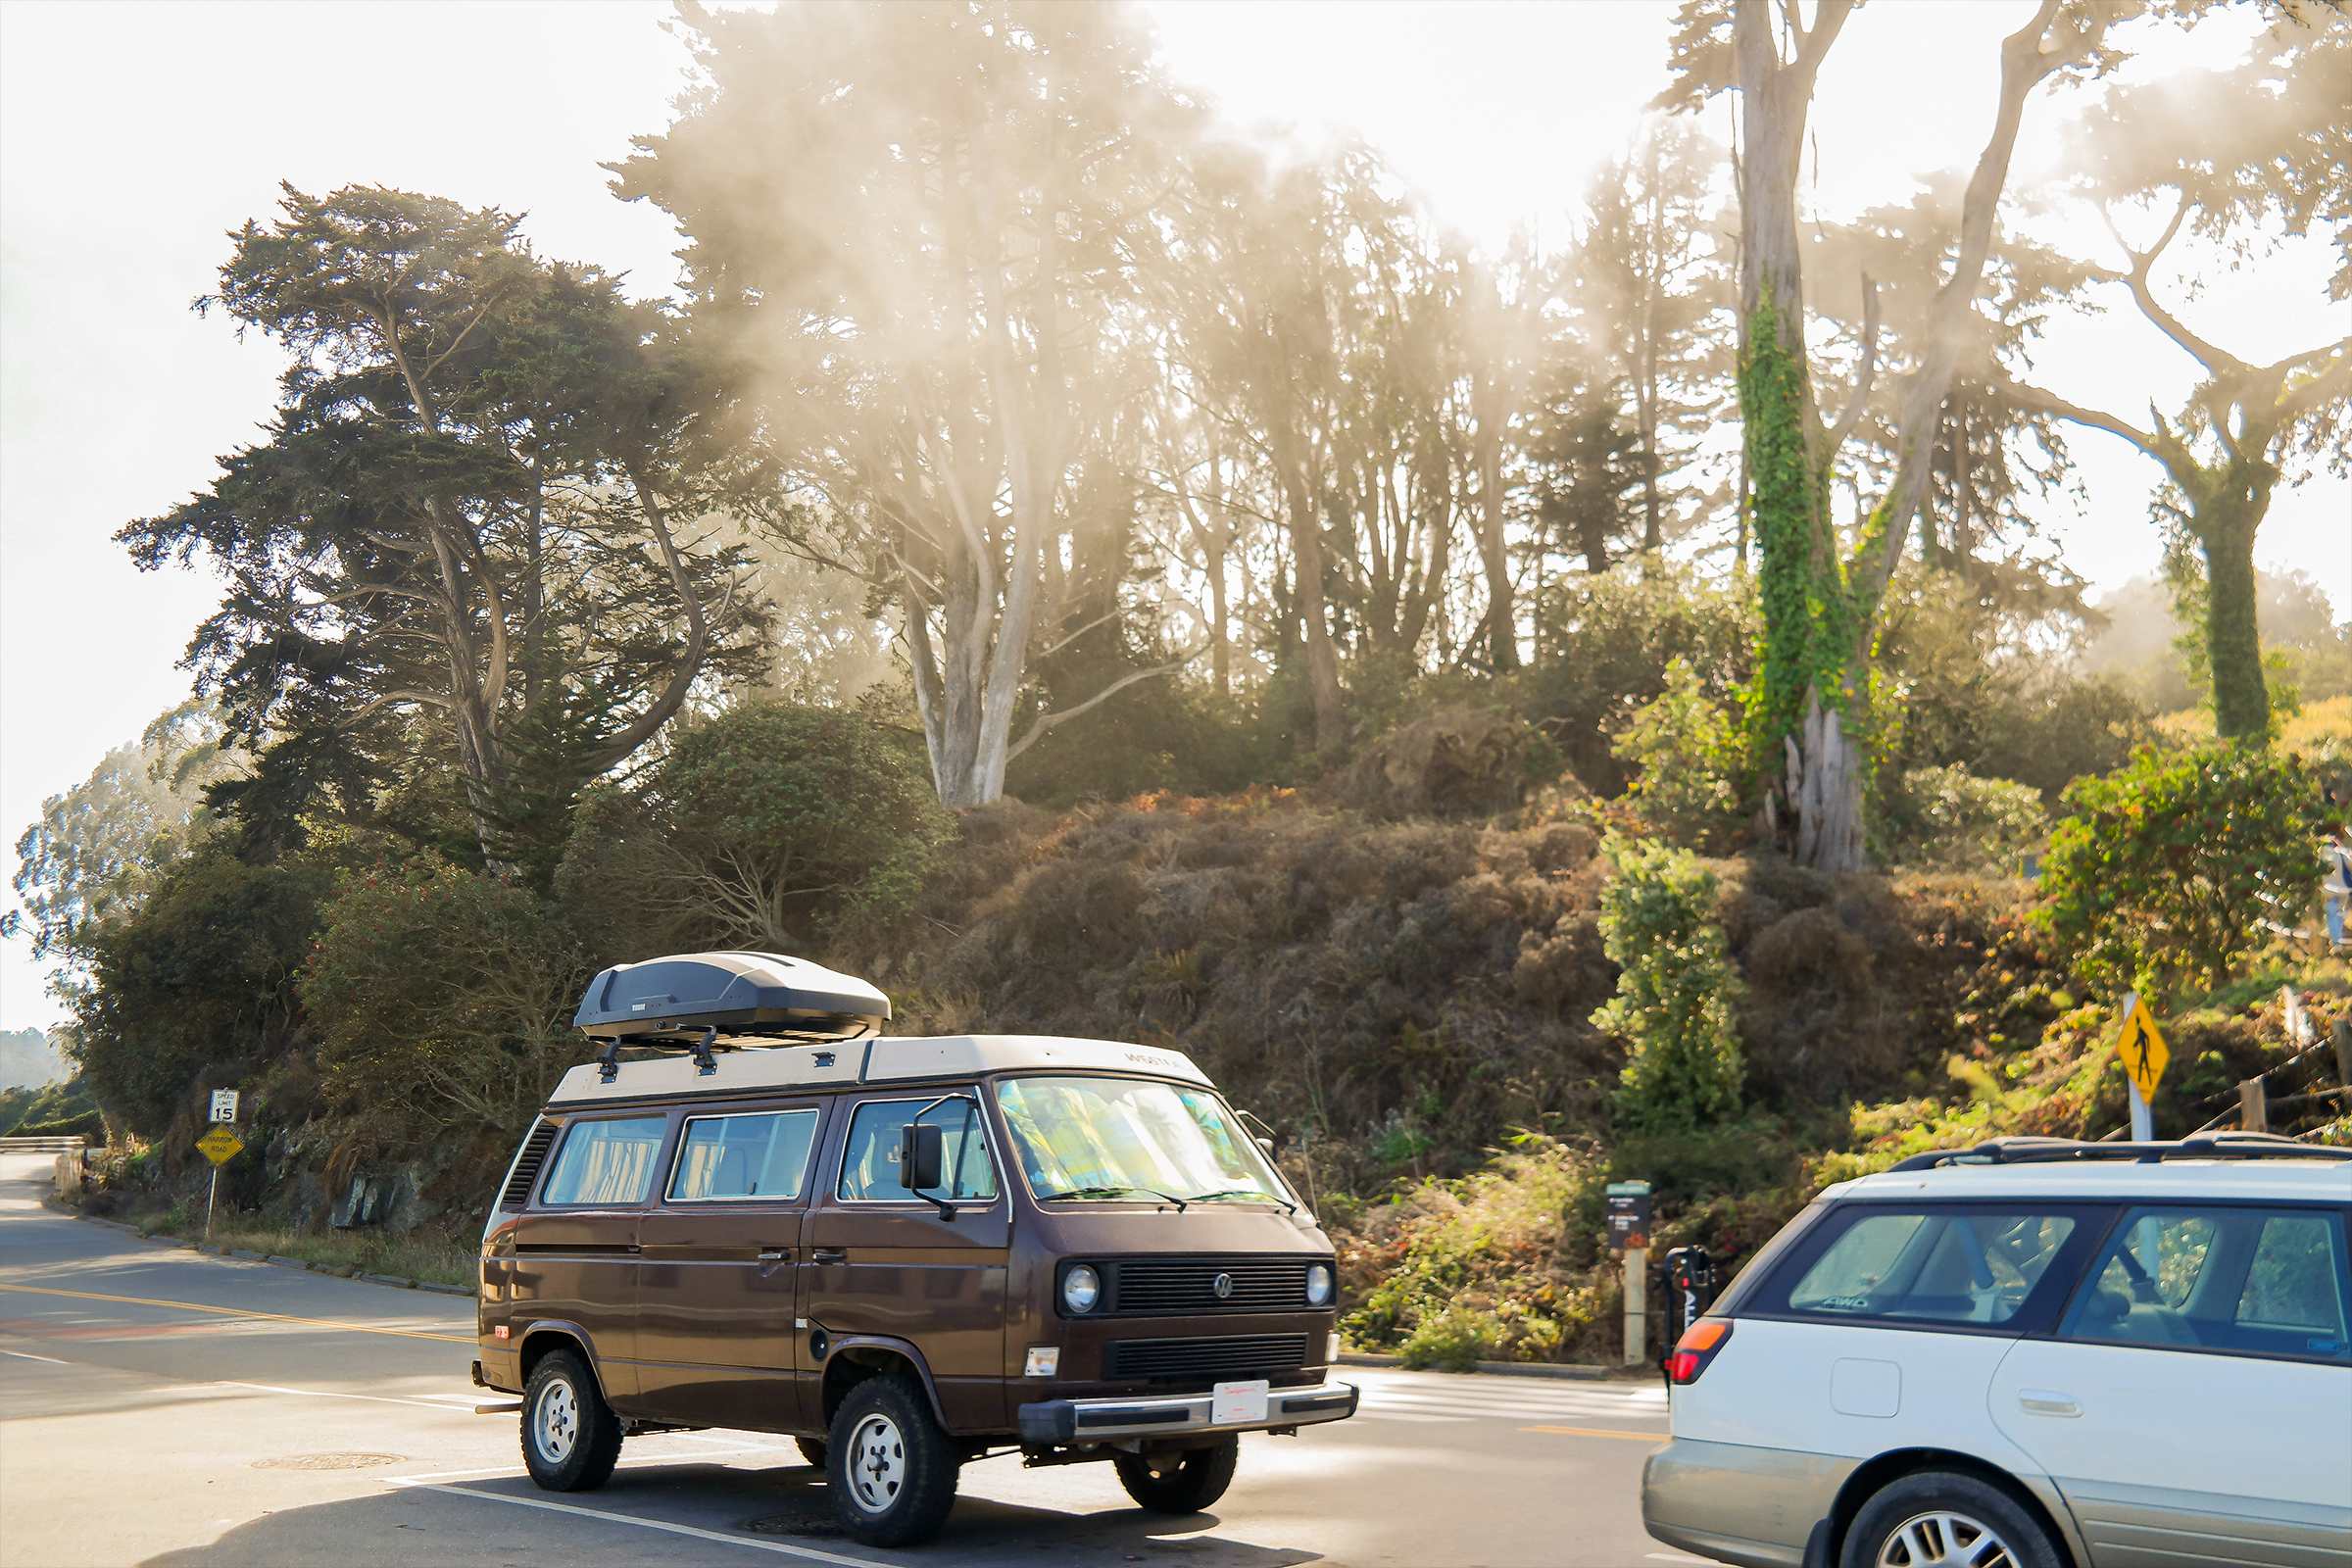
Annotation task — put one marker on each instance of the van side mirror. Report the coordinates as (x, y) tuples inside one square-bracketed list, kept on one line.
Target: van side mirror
[(922, 1151)]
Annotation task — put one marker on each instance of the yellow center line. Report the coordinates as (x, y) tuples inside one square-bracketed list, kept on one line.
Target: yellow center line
[(239, 1312), (1601, 1432)]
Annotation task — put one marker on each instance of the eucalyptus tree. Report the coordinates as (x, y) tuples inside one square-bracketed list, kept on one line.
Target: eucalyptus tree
[(1820, 597), (461, 542), (914, 230), (2215, 154)]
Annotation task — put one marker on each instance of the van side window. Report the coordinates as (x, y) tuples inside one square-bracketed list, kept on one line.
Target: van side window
[(761, 1155), (2260, 1282), (1954, 1265), (607, 1161), (869, 1162)]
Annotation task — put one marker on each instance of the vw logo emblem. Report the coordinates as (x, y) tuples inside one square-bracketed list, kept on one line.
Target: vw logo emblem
[(1222, 1285)]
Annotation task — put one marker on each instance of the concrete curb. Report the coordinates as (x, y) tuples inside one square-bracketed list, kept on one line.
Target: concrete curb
[(332, 1271), (1558, 1370)]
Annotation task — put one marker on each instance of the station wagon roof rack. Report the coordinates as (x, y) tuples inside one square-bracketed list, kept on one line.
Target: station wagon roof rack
[(699, 1002), (2020, 1150)]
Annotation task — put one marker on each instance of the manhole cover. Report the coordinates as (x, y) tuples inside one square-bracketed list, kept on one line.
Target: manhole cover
[(328, 1461), (794, 1524)]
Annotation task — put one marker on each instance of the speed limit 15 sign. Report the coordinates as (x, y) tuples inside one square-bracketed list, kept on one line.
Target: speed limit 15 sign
[(225, 1104)]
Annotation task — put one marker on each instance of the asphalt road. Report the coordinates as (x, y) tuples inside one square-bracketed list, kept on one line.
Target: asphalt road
[(159, 1405)]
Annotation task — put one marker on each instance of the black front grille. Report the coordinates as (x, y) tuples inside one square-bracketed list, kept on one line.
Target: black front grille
[(1174, 1287), (526, 1166), (1216, 1356)]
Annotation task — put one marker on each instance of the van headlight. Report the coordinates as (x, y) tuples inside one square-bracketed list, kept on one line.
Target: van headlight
[(1081, 1289), (1318, 1284)]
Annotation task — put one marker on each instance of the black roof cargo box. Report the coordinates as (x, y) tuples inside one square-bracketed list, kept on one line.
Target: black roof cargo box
[(757, 994)]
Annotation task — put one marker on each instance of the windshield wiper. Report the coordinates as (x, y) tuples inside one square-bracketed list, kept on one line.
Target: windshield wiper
[(1112, 1192), (1257, 1192)]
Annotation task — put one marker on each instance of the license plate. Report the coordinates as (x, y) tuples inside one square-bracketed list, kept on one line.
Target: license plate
[(1233, 1404)]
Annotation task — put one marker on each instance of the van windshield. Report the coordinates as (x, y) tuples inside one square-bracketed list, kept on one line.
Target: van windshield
[(1124, 1137)]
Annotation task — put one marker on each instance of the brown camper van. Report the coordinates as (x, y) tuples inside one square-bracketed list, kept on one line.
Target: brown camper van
[(904, 1252)]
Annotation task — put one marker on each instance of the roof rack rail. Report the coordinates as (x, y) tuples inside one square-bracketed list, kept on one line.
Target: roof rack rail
[(2020, 1150)]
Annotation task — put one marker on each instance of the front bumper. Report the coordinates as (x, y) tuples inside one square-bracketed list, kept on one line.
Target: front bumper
[(1066, 1421)]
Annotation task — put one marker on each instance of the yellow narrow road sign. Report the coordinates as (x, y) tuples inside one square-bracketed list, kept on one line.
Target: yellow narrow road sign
[(2141, 1049), (220, 1146)]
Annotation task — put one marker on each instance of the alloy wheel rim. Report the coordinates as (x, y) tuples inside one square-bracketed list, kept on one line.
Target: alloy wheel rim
[(1942, 1539), (877, 1464), (556, 1422)]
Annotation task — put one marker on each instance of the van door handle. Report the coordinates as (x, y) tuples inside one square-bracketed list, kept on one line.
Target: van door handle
[(829, 1255), (775, 1254), (2046, 1402)]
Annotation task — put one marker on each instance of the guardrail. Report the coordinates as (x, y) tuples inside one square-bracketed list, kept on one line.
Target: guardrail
[(44, 1145)]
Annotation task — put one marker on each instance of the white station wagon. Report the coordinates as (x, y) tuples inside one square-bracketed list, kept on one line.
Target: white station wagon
[(2029, 1354)]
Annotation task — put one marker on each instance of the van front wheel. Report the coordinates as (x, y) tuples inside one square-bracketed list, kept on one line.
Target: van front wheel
[(570, 1437), (1179, 1482), (889, 1466)]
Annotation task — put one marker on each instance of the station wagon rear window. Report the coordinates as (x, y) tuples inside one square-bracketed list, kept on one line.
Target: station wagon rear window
[(2249, 1281), (607, 1161), (1945, 1265), (764, 1155)]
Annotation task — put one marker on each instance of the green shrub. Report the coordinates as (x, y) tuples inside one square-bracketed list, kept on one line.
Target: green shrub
[(767, 826), (2161, 877), (1948, 819), (1675, 990), (1689, 750), (440, 990)]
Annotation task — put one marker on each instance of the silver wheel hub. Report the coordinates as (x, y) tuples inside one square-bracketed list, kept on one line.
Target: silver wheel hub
[(556, 1422), (1942, 1539), (877, 1464)]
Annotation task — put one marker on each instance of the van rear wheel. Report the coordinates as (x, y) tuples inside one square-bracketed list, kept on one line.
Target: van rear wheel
[(1179, 1482), (570, 1437), (1945, 1519), (888, 1465)]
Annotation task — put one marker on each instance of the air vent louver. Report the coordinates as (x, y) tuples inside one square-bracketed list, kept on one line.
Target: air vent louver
[(1221, 1356), (526, 1165)]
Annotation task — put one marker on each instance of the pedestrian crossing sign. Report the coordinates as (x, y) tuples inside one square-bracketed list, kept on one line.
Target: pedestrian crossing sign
[(2141, 1049)]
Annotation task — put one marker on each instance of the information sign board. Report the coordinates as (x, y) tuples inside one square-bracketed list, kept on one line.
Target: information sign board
[(1629, 1217), (225, 1104)]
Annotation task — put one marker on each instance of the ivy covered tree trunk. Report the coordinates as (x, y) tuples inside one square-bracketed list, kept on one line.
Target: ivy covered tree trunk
[(2242, 698)]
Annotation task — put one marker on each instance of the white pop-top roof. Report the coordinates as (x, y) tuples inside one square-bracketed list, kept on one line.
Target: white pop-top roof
[(2252, 1180), (852, 1062)]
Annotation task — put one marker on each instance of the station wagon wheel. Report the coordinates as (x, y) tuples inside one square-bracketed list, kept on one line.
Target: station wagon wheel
[(888, 1465), (1944, 1519), (1179, 1482), (571, 1438)]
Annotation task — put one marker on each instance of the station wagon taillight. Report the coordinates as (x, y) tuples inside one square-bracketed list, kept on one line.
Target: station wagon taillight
[(1698, 1345)]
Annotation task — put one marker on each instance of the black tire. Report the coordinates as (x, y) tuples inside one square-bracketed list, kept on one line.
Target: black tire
[(813, 1449), (1931, 1518), (1179, 1482), (890, 1467), (570, 1437)]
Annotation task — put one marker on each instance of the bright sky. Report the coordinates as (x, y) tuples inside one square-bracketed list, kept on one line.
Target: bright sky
[(133, 137)]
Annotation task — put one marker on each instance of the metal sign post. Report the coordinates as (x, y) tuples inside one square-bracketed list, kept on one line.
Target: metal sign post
[(219, 1145), (1628, 1233)]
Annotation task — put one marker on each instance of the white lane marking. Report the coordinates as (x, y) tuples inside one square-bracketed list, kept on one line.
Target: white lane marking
[(1514, 1407), (329, 1394), (806, 1553), (27, 1355), (1400, 1415), (1672, 1556)]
